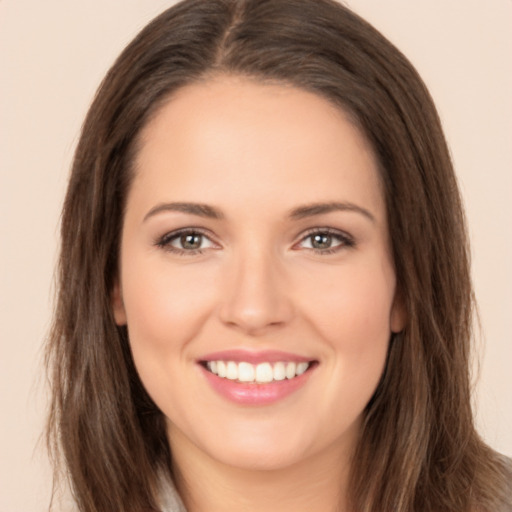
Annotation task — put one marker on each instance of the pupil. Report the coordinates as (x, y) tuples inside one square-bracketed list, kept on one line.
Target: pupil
[(191, 241), (321, 241)]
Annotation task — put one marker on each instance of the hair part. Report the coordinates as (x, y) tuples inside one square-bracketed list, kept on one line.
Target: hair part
[(418, 448)]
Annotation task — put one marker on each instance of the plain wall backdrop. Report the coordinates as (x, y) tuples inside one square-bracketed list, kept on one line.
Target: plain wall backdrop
[(53, 55)]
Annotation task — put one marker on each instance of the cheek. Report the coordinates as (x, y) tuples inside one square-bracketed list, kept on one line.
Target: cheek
[(165, 307), (358, 332), (350, 310), (357, 300), (165, 311)]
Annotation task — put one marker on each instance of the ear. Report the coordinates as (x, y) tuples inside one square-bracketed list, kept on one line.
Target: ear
[(398, 316), (116, 299)]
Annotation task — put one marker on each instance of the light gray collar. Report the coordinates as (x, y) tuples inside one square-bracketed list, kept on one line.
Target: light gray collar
[(169, 497)]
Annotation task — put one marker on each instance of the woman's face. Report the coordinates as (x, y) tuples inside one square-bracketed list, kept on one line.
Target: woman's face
[(255, 273)]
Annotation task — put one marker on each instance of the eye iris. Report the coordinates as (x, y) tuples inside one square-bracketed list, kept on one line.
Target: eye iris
[(191, 241), (321, 241)]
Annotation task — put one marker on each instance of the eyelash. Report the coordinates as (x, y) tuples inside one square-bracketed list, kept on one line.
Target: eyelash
[(164, 242), (346, 241)]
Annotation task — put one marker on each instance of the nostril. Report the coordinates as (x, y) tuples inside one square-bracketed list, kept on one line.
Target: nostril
[(255, 298)]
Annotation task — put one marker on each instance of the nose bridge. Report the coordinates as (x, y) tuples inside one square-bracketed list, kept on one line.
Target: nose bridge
[(255, 296)]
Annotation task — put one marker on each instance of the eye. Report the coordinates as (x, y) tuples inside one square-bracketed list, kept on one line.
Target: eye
[(185, 241), (326, 241)]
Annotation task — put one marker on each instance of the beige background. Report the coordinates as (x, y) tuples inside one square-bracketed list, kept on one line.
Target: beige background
[(53, 54)]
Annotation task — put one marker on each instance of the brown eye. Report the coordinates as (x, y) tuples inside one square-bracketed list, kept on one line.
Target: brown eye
[(190, 241), (321, 241)]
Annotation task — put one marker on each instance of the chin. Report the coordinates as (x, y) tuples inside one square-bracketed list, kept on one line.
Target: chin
[(259, 458), (267, 446)]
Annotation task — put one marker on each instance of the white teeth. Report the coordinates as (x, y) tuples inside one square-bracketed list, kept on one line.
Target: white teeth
[(301, 368), (260, 373), (279, 371), (221, 368), (232, 371), (264, 373), (245, 372), (290, 370)]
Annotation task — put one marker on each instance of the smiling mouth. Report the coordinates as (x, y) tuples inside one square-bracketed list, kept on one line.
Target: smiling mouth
[(262, 373)]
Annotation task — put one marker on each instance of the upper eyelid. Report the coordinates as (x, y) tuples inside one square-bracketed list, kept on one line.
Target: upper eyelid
[(324, 229), (191, 229)]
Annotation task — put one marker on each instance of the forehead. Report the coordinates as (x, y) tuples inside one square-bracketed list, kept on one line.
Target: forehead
[(237, 138)]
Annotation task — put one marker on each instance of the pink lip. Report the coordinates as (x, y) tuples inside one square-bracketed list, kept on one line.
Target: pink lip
[(270, 356), (252, 394)]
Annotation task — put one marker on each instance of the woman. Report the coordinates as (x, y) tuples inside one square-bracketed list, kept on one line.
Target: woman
[(264, 284)]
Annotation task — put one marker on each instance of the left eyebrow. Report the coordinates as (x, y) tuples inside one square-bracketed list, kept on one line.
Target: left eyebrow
[(199, 209), (313, 209)]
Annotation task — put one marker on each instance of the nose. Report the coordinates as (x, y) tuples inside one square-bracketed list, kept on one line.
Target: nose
[(256, 295)]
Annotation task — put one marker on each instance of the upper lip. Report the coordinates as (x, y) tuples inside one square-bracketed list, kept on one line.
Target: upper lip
[(255, 357)]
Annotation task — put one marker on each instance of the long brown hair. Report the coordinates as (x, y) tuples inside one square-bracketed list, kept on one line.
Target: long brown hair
[(418, 449)]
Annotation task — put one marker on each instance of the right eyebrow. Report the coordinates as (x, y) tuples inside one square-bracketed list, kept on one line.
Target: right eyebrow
[(199, 209)]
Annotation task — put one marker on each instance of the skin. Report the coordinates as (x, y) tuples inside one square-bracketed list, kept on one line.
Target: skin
[(256, 152)]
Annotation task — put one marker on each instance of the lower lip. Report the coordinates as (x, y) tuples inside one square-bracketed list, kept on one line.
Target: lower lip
[(256, 394)]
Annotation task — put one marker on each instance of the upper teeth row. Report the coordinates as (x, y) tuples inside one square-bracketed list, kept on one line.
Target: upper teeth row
[(263, 372)]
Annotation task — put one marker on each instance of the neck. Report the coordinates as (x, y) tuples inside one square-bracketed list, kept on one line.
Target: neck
[(316, 483)]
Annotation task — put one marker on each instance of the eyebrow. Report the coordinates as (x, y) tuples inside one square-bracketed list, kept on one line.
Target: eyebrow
[(313, 209), (202, 210), (302, 212)]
